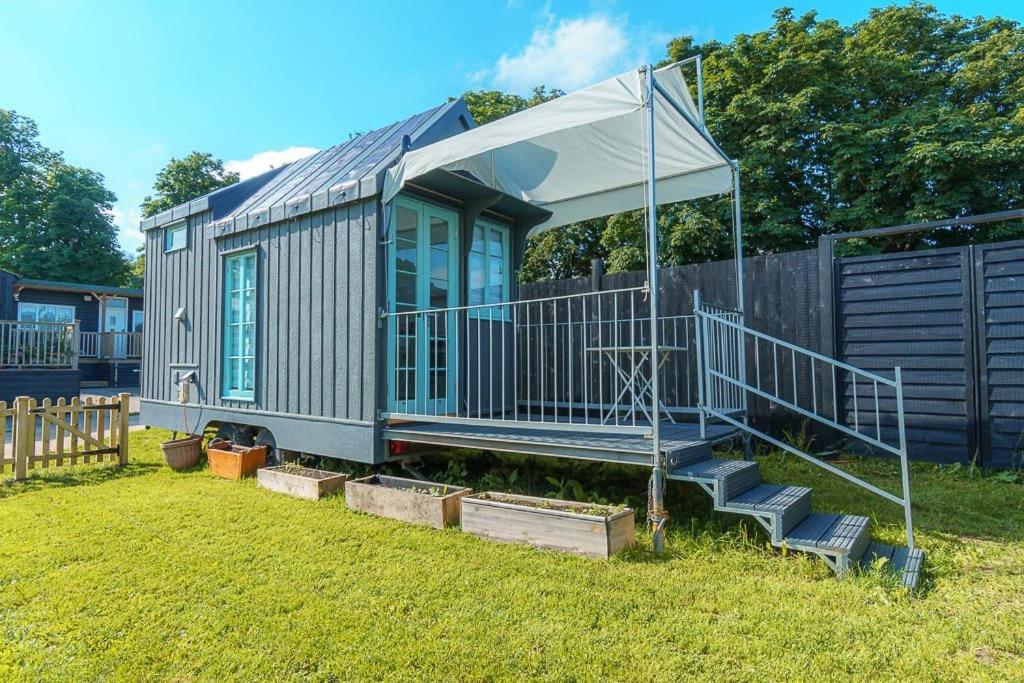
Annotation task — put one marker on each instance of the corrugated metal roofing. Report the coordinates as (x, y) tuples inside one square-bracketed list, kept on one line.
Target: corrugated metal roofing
[(333, 176)]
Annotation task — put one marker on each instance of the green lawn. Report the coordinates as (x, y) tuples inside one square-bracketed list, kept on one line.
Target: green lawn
[(145, 573)]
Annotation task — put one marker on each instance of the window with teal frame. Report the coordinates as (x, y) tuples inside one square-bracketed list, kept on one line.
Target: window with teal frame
[(239, 342), (489, 279)]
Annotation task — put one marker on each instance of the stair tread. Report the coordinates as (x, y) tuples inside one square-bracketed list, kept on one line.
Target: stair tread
[(769, 498), (830, 532), (901, 560), (712, 468)]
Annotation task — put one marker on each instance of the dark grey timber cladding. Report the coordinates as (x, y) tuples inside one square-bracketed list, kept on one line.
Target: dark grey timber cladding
[(7, 306), (908, 310), (999, 284), (316, 324), (39, 384)]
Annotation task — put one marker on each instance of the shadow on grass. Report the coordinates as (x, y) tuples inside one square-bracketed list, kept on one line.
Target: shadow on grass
[(78, 475)]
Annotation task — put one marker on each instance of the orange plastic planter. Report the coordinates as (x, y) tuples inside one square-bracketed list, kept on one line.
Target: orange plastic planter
[(234, 462)]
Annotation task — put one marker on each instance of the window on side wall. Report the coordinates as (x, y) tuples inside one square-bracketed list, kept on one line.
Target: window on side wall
[(489, 278), (239, 334), (45, 313), (175, 237)]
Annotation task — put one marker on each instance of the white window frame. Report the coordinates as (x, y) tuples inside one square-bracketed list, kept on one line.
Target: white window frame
[(137, 315), (506, 267), (181, 227), (24, 305)]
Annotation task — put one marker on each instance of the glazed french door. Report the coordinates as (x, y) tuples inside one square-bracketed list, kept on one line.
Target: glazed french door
[(422, 277)]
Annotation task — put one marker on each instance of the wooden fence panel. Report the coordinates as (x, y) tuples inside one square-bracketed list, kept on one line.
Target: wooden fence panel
[(61, 433), (999, 294), (953, 319)]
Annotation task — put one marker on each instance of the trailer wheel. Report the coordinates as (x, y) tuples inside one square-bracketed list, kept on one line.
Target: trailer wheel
[(265, 437), (243, 435)]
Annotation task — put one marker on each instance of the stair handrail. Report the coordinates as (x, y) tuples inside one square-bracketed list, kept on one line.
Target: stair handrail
[(723, 349)]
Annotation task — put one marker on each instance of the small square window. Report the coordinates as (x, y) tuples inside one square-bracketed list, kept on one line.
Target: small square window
[(175, 237)]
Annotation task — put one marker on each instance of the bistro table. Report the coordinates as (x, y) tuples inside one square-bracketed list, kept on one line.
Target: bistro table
[(632, 378)]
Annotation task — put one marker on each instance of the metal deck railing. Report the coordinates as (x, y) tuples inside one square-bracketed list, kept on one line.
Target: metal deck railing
[(861, 405), (579, 361)]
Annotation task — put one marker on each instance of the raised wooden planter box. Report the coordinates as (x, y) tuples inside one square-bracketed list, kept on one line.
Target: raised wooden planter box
[(418, 502), (582, 528), (234, 462), (301, 482)]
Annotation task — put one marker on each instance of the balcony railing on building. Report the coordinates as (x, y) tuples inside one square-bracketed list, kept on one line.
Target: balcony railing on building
[(60, 345), (38, 344), (111, 345)]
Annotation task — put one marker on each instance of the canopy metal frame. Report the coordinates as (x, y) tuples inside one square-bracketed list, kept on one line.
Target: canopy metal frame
[(656, 507)]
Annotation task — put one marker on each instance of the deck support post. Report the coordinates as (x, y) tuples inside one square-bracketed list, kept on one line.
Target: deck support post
[(656, 516)]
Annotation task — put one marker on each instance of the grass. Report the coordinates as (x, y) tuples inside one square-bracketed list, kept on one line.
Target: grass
[(143, 573)]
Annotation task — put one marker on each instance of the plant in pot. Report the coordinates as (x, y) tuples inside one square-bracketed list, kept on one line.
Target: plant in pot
[(232, 461), (181, 454)]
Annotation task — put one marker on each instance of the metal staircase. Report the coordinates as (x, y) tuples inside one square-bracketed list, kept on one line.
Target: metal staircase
[(865, 407), (785, 512)]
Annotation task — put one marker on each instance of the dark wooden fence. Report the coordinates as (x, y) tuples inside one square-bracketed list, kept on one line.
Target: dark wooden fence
[(953, 319)]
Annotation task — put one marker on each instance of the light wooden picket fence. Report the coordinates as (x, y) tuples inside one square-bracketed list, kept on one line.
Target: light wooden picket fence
[(47, 433)]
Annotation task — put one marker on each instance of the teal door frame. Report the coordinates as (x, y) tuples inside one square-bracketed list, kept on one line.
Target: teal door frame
[(424, 265)]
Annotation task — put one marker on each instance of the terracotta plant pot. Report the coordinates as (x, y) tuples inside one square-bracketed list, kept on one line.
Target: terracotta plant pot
[(181, 454), (233, 462)]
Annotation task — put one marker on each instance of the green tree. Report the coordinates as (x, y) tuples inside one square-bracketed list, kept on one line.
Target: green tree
[(908, 115), (184, 179), (55, 220), (23, 163), (75, 240), (490, 105), (563, 253)]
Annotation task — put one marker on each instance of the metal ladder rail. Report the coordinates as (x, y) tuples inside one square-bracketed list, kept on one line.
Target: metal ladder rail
[(716, 375)]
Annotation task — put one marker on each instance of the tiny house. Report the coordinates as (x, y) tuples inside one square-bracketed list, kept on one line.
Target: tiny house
[(265, 298), (364, 299)]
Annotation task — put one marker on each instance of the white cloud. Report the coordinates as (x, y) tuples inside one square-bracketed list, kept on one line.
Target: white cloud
[(566, 54), (262, 162), (576, 52)]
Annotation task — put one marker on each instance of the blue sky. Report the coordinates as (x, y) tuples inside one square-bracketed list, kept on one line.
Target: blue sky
[(121, 87)]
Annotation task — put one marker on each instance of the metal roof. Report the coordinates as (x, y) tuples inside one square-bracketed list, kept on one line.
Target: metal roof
[(334, 176), (57, 286)]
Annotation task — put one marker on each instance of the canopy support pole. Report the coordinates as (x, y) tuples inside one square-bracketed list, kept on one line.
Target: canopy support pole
[(741, 359), (656, 509)]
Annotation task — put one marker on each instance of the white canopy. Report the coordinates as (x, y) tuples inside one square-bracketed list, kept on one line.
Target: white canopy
[(584, 155)]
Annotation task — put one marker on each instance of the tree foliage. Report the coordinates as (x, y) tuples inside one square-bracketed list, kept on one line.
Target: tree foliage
[(490, 105), (55, 218), (908, 115), (184, 179)]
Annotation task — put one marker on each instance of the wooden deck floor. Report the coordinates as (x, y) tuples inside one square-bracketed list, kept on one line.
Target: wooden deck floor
[(604, 446)]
